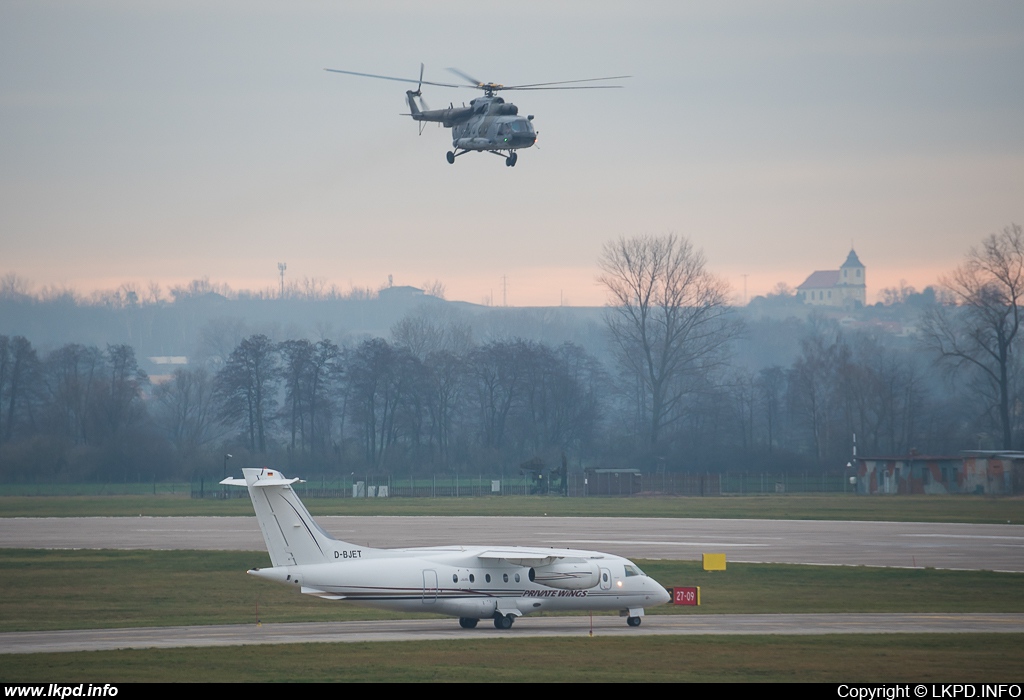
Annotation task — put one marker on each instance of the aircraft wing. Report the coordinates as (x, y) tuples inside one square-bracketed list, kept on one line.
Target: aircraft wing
[(526, 556)]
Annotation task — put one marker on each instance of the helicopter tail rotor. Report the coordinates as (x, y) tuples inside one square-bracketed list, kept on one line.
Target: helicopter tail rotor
[(419, 94)]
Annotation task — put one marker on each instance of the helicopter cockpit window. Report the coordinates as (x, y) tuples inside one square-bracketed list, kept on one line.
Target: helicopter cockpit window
[(521, 126)]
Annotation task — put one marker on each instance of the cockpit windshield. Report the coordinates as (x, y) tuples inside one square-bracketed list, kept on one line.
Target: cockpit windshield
[(633, 570), (521, 126)]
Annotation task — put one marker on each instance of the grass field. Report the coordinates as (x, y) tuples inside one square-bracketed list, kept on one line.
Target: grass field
[(833, 658), (952, 509), (61, 589)]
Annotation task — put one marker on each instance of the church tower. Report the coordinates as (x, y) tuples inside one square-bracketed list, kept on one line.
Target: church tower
[(852, 285)]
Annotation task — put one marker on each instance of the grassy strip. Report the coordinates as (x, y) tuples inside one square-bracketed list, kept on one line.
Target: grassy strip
[(949, 509), (59, 589), (832, 658)]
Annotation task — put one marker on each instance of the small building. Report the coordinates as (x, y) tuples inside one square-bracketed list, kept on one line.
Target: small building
[(400, 293), (992, 473), (613, 482), (843, 288), (909, 475)]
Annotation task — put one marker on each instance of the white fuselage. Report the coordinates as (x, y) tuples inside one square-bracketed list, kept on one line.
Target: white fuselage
[(455, 581)]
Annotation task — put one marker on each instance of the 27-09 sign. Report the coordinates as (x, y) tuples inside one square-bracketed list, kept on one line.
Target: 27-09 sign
[(689, 595)]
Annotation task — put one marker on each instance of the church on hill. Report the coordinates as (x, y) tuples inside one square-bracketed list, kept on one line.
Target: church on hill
[(845, 287)]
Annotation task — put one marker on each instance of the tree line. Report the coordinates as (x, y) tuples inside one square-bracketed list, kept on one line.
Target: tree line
[(665, 393)]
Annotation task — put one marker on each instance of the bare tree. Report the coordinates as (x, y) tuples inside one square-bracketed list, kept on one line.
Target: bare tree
[(186, 410), (247, 388), (668, 318), (978, 333)]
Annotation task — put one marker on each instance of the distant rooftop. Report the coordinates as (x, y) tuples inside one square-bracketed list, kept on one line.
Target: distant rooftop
[(821, 279)]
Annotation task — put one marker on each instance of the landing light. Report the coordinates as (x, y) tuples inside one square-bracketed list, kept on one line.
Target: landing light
[(619, 584)]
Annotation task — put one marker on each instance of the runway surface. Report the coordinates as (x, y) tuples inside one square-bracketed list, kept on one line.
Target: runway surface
[(426, 630), (937, 545)]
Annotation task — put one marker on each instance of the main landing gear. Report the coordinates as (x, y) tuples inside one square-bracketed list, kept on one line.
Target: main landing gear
[(633, 621), (503, 622), (468, 623), (510, 159)]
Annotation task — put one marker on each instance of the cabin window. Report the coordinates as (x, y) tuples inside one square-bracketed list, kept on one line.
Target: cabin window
[(455, 578), (487, 578), (472, 578), (504, 577), (517, 578)]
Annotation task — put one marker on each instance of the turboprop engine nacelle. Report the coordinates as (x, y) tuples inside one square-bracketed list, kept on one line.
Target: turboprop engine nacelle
[(572, 576)]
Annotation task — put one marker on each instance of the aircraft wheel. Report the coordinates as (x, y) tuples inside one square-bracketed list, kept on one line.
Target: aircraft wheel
[(514, 158), (503, 622), (450, 156), (633, 621), (508, 162), (468, 623)]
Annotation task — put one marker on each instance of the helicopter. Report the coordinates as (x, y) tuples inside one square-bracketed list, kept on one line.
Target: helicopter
[(489, 124)]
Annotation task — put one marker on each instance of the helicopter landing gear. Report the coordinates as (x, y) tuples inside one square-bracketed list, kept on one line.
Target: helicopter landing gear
[(511, 160), (450, 156)]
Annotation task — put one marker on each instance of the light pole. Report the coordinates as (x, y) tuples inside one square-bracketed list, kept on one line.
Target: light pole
[(225, 474)]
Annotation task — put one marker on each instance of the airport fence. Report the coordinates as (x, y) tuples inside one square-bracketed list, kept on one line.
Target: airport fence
[(578, 485)]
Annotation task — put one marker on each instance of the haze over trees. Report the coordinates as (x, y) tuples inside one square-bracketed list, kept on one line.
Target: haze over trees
[(667, 377), (978, 336)]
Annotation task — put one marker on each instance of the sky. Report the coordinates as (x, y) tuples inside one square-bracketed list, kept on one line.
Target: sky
[(165, 141)]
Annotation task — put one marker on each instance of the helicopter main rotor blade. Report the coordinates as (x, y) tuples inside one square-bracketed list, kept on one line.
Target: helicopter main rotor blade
[(566, 87), (566, 82), (388, 77), (470, 78)]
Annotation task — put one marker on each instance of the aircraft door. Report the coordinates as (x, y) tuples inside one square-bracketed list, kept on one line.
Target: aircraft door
[(429, 586)]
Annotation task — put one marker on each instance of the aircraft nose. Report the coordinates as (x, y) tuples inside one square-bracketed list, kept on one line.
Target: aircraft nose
[(663, 595)]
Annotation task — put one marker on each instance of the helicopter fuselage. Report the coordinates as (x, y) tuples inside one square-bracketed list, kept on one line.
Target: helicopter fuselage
[(487, 124)]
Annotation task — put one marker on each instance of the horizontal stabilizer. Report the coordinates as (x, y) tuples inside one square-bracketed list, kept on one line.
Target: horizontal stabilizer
[(233, 481)]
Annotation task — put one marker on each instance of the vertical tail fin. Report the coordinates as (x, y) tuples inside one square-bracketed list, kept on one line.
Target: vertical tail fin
[(291, 534), (414, 109)]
